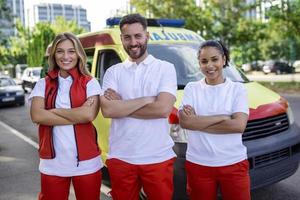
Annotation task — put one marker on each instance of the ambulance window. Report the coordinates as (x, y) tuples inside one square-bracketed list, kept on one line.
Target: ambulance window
[(90, 55), (106, 59), (184, 58)]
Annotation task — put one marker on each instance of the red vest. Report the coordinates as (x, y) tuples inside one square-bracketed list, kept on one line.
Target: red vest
[(85, 134)]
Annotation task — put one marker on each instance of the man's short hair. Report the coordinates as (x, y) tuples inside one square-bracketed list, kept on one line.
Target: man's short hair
[(133, 18)]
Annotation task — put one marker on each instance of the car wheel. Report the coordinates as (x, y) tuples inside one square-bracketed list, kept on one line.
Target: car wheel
[(278, 72), (293, 71), (19, 104)]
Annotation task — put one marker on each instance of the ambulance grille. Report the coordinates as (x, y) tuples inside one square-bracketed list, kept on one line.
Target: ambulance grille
[(269, 158), (260, 128)]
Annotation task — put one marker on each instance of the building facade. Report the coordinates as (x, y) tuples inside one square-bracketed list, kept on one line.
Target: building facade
[(17, 13), (261, 8), (48, 12)]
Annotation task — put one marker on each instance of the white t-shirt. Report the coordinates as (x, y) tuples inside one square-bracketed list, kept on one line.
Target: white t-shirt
[(226, 98), (140, 141), (65, 161)]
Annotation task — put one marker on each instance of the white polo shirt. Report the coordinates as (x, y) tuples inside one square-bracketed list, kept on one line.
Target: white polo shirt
[(226, 98), (65, 162), (140, 141)]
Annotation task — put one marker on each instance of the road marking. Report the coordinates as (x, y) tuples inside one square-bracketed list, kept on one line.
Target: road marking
[(20, 135), (104, 189)]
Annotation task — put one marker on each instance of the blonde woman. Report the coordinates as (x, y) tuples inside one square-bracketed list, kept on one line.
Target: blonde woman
[(63, 104)]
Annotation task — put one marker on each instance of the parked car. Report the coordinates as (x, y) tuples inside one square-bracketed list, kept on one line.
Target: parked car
[(10, 92), (253, 66), (266, 69), (296, 65), (257, 65), (246, 67), (19, 69), (278, 67), (30, 76)]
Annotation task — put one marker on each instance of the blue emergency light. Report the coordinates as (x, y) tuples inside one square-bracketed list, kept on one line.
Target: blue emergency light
[(112, 21), (172, 22), (151, 22)]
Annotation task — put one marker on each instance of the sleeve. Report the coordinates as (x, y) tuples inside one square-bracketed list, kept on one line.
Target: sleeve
[(109, 80), (168, 82), (38, 90), (240, 103), (187, 98), (93, 88)]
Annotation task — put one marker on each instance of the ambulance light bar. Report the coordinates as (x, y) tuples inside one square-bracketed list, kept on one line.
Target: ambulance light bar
[(151, 22)]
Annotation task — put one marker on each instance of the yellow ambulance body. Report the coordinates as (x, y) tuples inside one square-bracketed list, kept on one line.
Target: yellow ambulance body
[(272, 138)]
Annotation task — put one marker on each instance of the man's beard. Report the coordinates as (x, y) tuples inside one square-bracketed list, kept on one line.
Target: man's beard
[(142, 50)]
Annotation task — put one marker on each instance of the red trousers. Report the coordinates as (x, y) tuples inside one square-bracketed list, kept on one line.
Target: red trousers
[(128, 179), (86, 187), (233, 180)]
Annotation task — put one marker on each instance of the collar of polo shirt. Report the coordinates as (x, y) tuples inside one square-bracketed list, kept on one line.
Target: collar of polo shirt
[(148, 60)]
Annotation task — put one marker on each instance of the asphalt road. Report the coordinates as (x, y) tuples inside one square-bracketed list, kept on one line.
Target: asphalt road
[(19, 176)]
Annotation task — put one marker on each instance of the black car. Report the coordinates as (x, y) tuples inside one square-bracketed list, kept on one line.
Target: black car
[(10, 92), (257, 65), (278, 67)]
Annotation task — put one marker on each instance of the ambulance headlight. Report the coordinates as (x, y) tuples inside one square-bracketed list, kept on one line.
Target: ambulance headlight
[(290, 115)]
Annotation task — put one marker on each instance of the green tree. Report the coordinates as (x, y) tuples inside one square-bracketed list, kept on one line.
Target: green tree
[(42, 35), (61, 25), (40, 38), (240, 33), (228, 17), (283, 29), (249, 35), (3, 56), (5, 17), (179, 9), (17, 50), (215, 19)]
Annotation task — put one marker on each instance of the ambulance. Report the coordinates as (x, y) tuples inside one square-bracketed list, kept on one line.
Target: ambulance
[(272, 137)]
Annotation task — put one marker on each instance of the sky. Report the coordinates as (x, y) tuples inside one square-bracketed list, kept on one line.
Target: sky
[(97, 10)]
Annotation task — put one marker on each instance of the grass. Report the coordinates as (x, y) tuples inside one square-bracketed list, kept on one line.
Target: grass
[(283, 87)]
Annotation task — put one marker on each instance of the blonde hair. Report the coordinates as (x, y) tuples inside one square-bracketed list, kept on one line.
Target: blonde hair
[(82, 59)]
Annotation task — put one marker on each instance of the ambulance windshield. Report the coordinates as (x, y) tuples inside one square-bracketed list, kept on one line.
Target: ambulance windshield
[(184, 57)]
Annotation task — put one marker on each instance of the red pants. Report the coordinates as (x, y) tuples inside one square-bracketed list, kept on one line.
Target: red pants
[(128, 179), (233, 180), (86, 187)]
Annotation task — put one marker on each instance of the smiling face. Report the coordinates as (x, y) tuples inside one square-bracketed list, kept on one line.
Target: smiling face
[(211, 63), (65, 56), (134, 39)]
